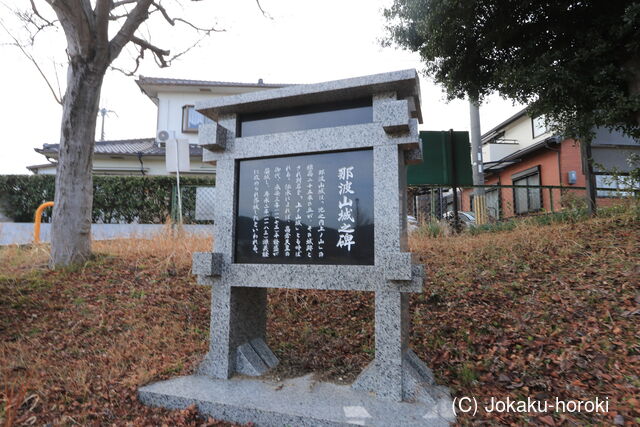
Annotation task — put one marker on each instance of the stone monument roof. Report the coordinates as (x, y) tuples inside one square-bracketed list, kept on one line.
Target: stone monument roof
[(404, 82)]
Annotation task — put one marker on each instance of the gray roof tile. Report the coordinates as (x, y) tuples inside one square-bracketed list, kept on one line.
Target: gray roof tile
[(187, 82), (122, 147)]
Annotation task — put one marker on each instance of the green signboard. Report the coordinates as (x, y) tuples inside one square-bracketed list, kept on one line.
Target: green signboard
[(444, 153)]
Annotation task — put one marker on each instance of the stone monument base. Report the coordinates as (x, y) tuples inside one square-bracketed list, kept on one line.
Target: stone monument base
[(297, 402)]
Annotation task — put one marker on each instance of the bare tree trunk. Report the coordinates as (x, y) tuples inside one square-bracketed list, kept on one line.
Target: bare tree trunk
[(71, 225)]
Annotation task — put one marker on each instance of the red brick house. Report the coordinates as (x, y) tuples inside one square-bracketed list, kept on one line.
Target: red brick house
[(529, 154)]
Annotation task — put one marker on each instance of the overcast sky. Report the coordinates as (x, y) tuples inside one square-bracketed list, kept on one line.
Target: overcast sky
[(303, 42)]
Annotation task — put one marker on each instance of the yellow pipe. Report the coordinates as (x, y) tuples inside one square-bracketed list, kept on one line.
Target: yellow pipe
[(38, 220)]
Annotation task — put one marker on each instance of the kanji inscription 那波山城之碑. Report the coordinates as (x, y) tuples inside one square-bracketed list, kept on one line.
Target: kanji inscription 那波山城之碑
[(313, 208)]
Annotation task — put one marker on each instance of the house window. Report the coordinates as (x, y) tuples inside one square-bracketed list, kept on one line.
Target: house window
[(527, 199), (539, 125), (307, 117), (615, 183), (191, 119)]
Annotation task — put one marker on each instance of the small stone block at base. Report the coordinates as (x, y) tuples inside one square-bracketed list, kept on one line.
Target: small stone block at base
[(254, 358), (264, 352), (248, 362)]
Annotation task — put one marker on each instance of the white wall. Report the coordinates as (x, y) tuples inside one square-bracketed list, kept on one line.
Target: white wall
[(517, 136), (20, 233), (170, 112), (152, 165), (171, 101), (521, 131), (169, 117), (47, 170), (494, 152), (127, 165), (104, 165)]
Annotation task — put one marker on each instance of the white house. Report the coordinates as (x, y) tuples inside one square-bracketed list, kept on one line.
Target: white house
[(175, 99), (514, 134)]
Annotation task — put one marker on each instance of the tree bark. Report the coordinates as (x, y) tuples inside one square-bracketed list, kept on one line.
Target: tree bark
[(71, 222), (633, 81), (589, 178)]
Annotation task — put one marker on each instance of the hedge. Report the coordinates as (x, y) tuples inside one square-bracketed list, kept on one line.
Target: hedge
[(116, 199)]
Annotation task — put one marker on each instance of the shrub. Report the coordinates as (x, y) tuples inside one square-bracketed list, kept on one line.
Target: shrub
[(116, 199), (433, 228), (492, 227), (20, 195)]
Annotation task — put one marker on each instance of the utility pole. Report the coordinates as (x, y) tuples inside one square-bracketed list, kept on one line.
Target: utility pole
[(476, 162), (454, 183), (178, 183)]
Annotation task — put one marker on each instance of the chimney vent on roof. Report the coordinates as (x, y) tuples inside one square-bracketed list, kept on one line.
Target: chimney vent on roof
[(260, 81)]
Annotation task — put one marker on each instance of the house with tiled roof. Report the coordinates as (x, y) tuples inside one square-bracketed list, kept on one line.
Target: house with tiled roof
[(143, 156), (524, 151), (177, 118)]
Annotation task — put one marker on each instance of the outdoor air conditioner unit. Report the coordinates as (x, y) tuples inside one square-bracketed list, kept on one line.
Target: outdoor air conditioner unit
[(163, 136)]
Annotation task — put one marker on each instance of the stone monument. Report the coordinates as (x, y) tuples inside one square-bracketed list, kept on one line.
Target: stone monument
[(311, 194)]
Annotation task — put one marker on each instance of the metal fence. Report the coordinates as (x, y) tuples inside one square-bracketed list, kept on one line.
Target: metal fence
[(503, 202), (193, 204), (429, 202)]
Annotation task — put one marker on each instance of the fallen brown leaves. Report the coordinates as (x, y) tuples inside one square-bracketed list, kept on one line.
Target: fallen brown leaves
[(536, 312), (82, 340), (543, 312)]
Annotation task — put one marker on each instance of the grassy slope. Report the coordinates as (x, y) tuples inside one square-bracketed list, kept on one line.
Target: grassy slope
[(540, 312)]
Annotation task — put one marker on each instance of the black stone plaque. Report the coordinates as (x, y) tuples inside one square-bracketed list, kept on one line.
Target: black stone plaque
[(306, 209)]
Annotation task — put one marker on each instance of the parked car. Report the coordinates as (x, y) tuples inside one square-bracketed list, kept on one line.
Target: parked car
[(466, 218)]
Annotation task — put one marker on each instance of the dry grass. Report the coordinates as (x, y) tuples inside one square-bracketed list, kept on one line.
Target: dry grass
[(535, 311), (83, 339), (170, 248)]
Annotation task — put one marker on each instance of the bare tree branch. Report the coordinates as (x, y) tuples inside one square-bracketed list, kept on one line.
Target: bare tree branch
[(139, 57), (29, 20), (55, 73), (158, 53), (37, 13), (32, 59), (102, 27), (164, 13), (121, 2), (207, 31), (78, 17), (113, 17), (172, 21), (265, 14), (74, 22), (33, 21), (137, 15), (179, 54)]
